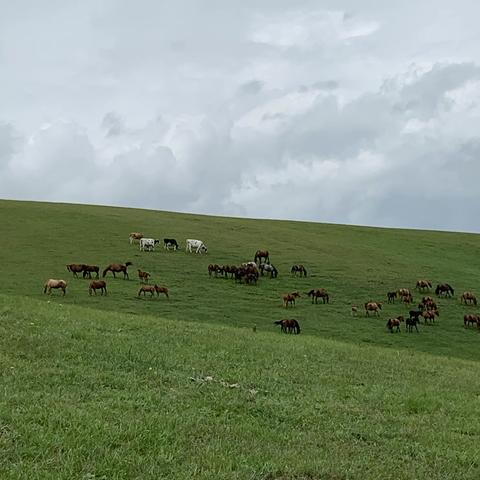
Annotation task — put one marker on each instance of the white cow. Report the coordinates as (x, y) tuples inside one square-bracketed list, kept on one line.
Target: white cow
[(148, 244), (196, 246)]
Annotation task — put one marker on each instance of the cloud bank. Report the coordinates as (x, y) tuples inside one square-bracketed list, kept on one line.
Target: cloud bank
[(341, 113)]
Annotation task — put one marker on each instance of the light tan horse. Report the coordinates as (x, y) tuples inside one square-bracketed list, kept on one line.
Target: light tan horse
[(52, 283), (423, 285), (468, 297), (135, 236)]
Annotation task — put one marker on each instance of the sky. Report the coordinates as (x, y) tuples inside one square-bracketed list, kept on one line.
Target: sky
[(357, 111)]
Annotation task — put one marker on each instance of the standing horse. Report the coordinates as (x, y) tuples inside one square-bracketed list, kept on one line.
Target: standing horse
[(52, 283), (269, 268), (423, 285), (289, 298), (75, 268), (444, 289), (88, 269), (319, 293), (372, 307), (135, 236), (261, 254), (97, 285), (394, 323), (143, 276), (160, 290), (288, 325), (430, 315), (299, 269), (468, 297), (410, 323), (391, 296), (117, 268), (471, 319)]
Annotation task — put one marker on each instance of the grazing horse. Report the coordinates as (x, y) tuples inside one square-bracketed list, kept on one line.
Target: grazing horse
[(143, 276), (147, 288), (261, 254), (416, 314), (423, 285), (266, 267), (444, 288), (299, 269), (394, 323), (288, 325), (372, 307), (289, 298), (410, 323), (75, 268), (97, 285), (117, 268), (471, 319), (391, 296), (319, 293), (88, 269), (430, 315), (160, 290), (468, 297), (407, 298), (402, 292), (52, 283), (135, 236)]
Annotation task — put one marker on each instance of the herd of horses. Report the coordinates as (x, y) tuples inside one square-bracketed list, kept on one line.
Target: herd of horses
[(250, 272)]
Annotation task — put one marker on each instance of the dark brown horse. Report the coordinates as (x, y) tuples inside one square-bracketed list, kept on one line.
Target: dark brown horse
[(262, 254), (289, 299), (471, 319), (391, 296), (319, 293), (52, 283), (88, 269), (444, 289), (411, 323), (160, 290), (288, 325), (97, 285), (117, 268), (299, 269), (75, 268)]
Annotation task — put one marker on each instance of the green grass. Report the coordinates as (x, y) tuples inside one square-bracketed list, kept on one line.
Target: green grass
[(121, 387)]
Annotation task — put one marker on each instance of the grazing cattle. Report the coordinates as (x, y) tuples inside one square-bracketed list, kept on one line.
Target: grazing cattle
[(444, 289), (88, 269), (148, 244), (143, 276), (135, 236), (372, 307), (430, 315), (391, 296), (411, 323), (266, 267), (196, 246), (423, 285), (97, 285), (468, 297), (289, 298), (394, 323), (117, 268), (471, 319), (261, 254), (75, 268), (288, 325), (319, 293), (299, 269), (170, 243), (52, 283)]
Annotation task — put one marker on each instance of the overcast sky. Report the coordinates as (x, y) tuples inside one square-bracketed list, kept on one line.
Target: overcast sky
[(360, 111)]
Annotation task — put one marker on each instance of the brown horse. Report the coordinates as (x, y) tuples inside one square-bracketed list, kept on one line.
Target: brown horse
[(407, 299), (97, 285), (289, 298), (288, 325), (262, 254), (117, 268), (404, 292), (372, 307), (135, 236), (444, 289), (319, 293), (143, 276), (75, 268), (88, 269), (299, 269), (160, 290), (430, 315), (423, 285), (471, 319), (394, 323), (468, 297), (152, 289), (52, 283)]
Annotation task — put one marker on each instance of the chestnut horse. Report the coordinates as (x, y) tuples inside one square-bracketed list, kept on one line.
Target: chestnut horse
[(135, 236), (372, 307), (160, 290), (468, 297), (97, 285), (152, 289), (288, 325), (299, 269), (289, 298), (143, 276), (52, 283), (423, 285), (319, 293), (471, 319), (394, 323), (117, 268), (75, 268), (259, 254), (446, 289), (88, 269)]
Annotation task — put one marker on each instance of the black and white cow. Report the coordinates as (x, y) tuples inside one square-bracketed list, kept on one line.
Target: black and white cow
[(170, 243)]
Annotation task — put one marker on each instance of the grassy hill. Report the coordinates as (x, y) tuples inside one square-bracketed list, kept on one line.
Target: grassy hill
[(121, 387)]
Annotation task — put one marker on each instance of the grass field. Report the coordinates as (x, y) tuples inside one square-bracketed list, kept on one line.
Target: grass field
[(121, 387)]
